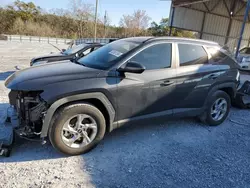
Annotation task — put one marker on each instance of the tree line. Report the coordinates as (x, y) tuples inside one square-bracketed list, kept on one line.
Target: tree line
[(78, 22)]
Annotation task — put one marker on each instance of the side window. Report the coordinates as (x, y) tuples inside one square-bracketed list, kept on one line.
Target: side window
[(192, 55), (155, 57), (86, 52), (95, 48), (217, 55)]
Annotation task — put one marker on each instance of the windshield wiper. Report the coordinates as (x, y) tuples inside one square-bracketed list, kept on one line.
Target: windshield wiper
[(77, 62)]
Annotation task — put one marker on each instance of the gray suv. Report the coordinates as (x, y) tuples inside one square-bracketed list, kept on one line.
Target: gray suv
[(130, 80)]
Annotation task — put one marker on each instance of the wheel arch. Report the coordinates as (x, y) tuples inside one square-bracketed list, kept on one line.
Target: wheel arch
[(228, 87), (97, 99), (230, 91)]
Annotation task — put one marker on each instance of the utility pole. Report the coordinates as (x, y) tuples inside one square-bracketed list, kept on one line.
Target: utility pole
[(96, 7), (105, 22)]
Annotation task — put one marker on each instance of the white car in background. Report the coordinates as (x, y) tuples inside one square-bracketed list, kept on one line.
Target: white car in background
[(244, 58)]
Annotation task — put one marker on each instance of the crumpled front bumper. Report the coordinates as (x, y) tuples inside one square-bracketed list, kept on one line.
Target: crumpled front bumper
[(7, 132), (12, 117)]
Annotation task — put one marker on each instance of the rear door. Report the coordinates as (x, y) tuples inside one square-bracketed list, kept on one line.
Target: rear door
[(192, 67), (151, 93)]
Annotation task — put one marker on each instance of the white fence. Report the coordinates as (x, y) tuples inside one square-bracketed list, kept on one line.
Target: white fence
[(98, 40), (22, 38)]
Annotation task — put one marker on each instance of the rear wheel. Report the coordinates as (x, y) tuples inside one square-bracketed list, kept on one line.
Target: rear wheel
[(77, 129), (217, 109)]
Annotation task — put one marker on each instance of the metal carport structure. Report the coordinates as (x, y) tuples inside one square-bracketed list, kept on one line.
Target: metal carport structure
[(222, 21)]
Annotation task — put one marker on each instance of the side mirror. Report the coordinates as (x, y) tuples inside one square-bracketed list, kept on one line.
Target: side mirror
[(75, 58), (132, 67)]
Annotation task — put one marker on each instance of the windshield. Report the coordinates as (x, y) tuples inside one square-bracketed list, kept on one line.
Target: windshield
[(105, 56), (74, 49)]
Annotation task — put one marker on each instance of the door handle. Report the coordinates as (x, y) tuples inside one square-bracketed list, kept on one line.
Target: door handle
[(167, 83), (213, 76)]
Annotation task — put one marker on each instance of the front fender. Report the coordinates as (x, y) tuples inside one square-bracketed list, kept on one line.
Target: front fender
[(96, 95)]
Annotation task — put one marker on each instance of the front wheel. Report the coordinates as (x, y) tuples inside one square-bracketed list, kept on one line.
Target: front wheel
[(77, 128), (217, 109)]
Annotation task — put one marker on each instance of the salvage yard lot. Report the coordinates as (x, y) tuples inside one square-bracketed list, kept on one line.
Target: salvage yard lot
[(177, 153)]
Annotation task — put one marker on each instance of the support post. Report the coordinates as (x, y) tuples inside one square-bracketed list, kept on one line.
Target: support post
[(172, 20), (203, 23), (228, 30), (231, 14), (242, 28)]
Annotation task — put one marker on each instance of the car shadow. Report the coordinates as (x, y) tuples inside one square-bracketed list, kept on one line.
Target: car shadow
[(4, 75), (24, 150), (149, 155), (165, 155), (135, 151)]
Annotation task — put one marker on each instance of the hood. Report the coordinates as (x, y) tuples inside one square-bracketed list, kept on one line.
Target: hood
[(48, 57), (35, 78)]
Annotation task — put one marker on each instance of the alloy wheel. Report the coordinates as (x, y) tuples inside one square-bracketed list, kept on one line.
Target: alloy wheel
[(79, 131), (219, 109)]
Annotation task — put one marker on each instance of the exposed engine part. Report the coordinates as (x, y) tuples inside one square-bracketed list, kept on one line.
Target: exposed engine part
[(31, 137), (30, 110), (245, 88), (13, 97), (242, 99), (37, 111)]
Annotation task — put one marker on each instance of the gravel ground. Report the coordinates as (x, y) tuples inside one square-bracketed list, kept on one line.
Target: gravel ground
[(179, 153)]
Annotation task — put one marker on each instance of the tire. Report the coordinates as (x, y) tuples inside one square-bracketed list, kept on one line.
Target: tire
[(207, 117), (74, 113)]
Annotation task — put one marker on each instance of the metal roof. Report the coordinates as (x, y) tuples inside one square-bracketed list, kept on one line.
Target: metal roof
[(189, 2), (215, 7), (186, 2), (216, 20)]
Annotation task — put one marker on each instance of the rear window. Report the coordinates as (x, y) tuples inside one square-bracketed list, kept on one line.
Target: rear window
[(216, 54), (222, 56), (192, 54)]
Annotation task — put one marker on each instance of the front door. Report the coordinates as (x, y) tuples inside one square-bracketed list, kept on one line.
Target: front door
[(151, 93)]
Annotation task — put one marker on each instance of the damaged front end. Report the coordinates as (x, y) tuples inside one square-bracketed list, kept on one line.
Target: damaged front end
[(30, 110)]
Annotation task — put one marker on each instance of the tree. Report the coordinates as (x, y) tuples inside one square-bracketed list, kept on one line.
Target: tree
[(78, 22), (163, 29), (83, 15), (25, 11), (135, 23)]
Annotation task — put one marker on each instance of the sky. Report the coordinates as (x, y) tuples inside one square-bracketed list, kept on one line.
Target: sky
[(156, 9)]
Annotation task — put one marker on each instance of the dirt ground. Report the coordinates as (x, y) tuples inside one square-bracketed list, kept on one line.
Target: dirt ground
[(177, 153)]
